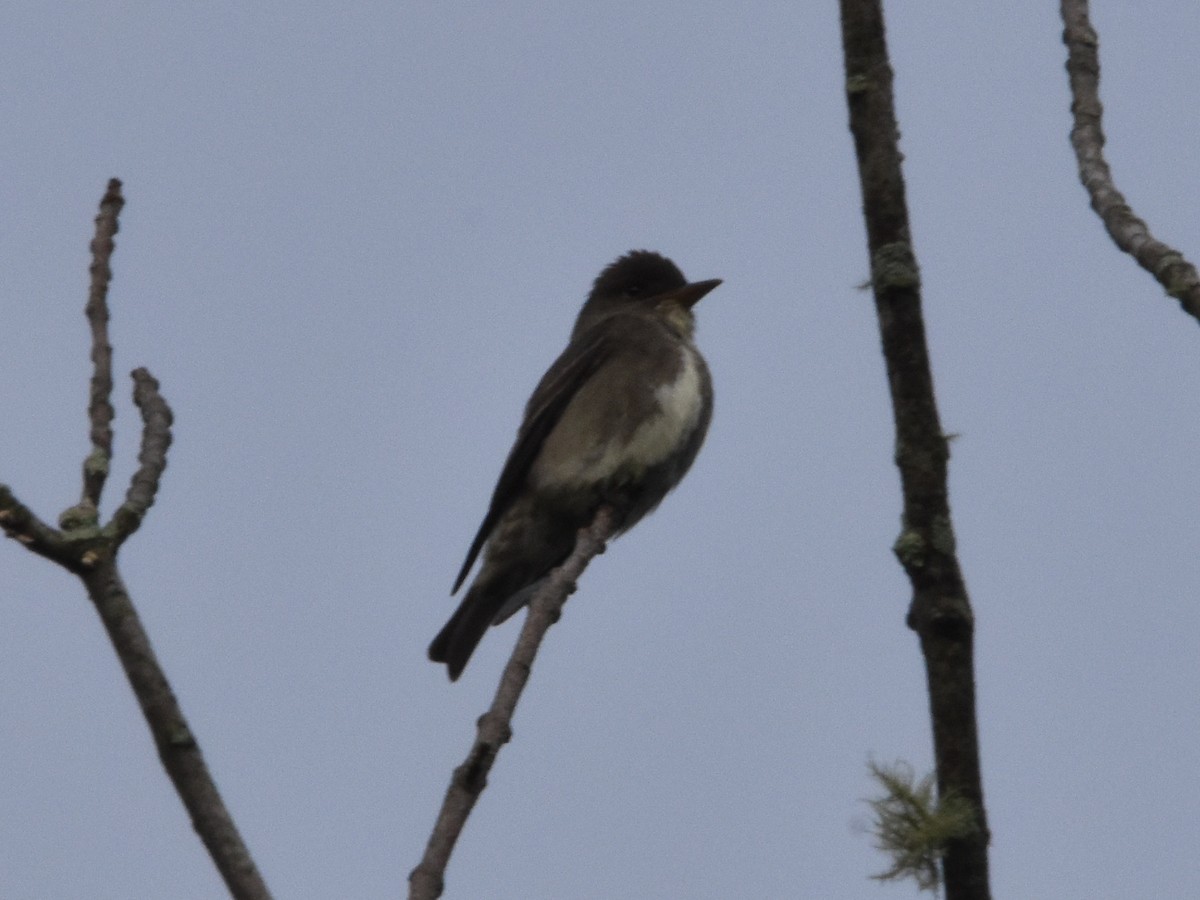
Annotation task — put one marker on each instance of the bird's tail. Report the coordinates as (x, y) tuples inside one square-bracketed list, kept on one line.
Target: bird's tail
[(460, 636)]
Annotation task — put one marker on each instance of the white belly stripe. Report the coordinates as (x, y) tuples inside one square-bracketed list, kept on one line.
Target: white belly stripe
[(679, 404)]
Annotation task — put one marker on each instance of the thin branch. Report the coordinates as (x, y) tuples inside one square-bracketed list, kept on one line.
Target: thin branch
[(90, 552), (23, 525), (495, 726), (100, 410), (1131, 234), (156, 439), (177, 747), (940, 611)]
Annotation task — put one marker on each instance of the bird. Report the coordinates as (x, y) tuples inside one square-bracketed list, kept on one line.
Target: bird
[(617, 420)]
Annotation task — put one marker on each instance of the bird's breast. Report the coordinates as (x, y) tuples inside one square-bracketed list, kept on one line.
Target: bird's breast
[(680, 404), (627, 430)]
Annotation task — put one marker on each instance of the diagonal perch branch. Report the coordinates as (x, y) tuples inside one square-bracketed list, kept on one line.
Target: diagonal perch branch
[(1131, 234), (495, 726)]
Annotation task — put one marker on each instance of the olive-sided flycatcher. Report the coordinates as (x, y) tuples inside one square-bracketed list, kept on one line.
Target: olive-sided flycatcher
[(617, 419)]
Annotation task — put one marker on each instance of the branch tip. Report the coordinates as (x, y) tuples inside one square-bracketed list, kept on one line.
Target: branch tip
[(100, 409), (157, 419)]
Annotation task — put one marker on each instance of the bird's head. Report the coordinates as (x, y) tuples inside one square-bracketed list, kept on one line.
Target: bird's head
[(646, 282)]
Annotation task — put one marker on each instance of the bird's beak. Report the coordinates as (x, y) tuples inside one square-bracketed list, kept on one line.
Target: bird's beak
[(690, 294)]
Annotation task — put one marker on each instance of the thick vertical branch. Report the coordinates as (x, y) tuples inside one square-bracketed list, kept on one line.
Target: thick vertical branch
[(495, 726), (1131, 234), (940, 612)]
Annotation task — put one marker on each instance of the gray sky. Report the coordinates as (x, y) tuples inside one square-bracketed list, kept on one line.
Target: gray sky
[(355, 236)]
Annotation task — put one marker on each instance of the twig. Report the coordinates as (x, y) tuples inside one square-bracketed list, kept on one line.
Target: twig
[(156, 438), (940, 611), (495, 726), (23, 525), (1131, 234), (85, 548), (100, 410)]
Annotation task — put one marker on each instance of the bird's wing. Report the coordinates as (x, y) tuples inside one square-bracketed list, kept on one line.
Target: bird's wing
[(560, 383)]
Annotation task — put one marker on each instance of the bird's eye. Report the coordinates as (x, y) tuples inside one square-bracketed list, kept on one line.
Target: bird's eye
[(633, 290)]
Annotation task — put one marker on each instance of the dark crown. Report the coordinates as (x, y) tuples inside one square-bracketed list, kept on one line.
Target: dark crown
[(639, 273)]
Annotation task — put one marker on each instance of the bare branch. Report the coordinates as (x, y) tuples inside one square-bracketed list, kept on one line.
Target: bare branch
[(156, 439), (100, 410), (940, 611), (495, 726), (1131, 234), (22, 525), (90, 552), (177, 747)]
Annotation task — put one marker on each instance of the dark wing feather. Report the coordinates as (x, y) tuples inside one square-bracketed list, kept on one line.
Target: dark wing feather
[(560, 383)]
